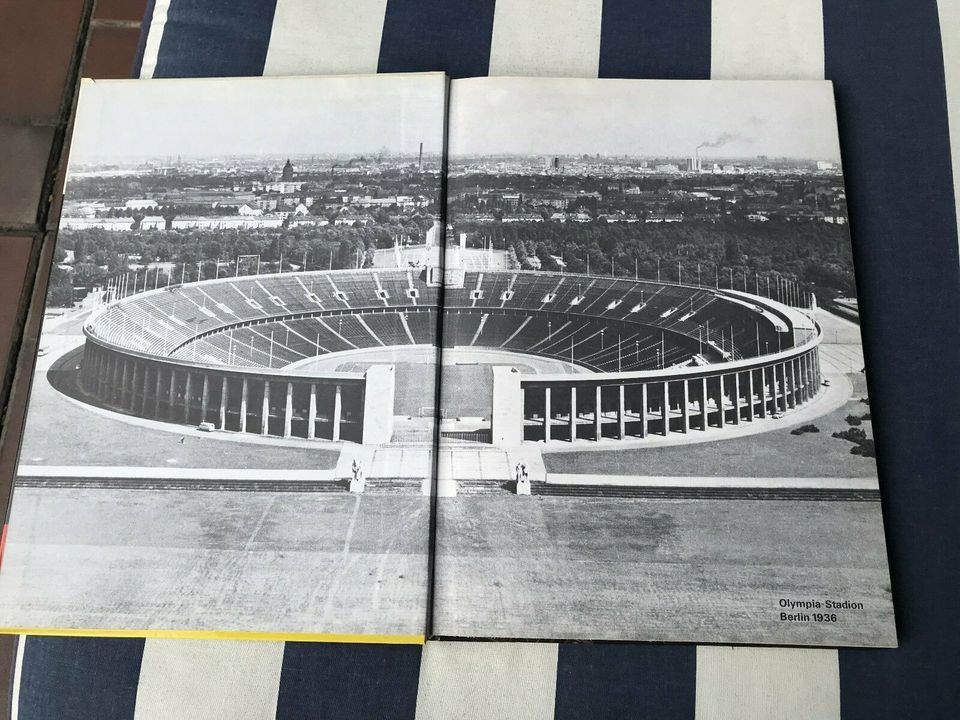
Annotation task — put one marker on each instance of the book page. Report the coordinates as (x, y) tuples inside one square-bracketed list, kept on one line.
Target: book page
[(654, 414), (232, 412)]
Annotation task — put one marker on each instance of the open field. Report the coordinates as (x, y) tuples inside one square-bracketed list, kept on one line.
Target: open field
[(85, 435), (681, 570), (282, 562)]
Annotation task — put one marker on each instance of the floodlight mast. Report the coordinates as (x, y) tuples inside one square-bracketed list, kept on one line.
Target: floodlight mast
[(247, 257)]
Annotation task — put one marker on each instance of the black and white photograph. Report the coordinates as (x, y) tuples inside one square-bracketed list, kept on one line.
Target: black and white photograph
[(393, 357), (657, 424), (209, 439)]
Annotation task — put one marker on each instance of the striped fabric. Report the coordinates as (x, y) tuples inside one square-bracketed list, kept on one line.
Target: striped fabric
[(896, 69)]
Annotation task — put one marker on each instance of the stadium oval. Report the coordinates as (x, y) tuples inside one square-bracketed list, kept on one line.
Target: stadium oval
[(651, 358)]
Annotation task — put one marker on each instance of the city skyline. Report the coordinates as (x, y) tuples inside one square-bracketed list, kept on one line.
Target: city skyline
[(637, 118), (118, 121)]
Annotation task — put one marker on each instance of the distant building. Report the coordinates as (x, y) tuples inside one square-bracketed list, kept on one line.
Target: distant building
[(663, 218), (114, 224), (153, 222), (141, 204), (286, 175)]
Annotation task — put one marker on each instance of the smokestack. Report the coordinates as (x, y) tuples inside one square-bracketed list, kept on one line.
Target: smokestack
[(420, 159)]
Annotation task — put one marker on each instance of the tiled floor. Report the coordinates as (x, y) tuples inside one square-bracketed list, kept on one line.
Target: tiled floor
[(45, 47)]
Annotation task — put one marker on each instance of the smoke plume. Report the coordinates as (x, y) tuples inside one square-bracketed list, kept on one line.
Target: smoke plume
[(722, 139)]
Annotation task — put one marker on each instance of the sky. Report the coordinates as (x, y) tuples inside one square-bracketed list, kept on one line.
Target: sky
[(136, 119), (549, 116)]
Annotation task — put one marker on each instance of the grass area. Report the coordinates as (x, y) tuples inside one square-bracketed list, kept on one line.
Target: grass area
[(84, 436), (771, 454), (467, 390), (691, 570), (289, 562)]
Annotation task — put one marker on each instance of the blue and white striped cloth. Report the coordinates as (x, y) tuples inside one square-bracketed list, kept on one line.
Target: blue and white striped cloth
[(896, 69)]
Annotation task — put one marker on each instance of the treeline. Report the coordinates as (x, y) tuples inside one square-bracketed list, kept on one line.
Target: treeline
[(99, 255), (817, 255)]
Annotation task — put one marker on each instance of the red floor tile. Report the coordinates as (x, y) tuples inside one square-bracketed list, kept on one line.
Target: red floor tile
[(24, 154), (110, 52), (37, 41), (120, 9)]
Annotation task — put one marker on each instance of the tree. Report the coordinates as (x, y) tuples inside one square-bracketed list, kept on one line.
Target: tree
[(60, 288)]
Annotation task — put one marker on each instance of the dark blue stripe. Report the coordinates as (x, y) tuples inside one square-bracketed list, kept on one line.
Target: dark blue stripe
[(886, 61), (331, 681), (668, 39), (603, 681), (142, 41), (423, 35), (79, 678), (219, 38)]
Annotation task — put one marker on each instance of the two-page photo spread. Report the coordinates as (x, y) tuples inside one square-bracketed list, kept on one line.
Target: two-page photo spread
[(393, 357)]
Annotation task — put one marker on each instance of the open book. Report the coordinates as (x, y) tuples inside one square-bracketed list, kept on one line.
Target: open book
[(390, 357)]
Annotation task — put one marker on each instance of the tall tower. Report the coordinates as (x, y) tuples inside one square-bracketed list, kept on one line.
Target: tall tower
[(287, 174), (420, 159)]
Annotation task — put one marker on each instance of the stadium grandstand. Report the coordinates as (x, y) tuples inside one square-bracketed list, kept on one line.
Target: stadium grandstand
[(644, 356)]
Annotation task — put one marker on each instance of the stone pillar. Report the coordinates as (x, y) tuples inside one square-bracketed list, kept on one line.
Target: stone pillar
[(666, 409), (156, 392), (547, 414), (312, 413), (337, 412), (621, 412), (205, 398), (288, 412), (783, 387), (704, 412), (801, 379), (98, 369), (643, 410), (244, 395), (772, 380), (721, 409), (793, 383), (115, 386), (172, 394), (763, 392), (685, 405), (573, 413), (736, 398), (134, 385), (597, 415), (124, 382), (224, 399), (186, 397), (145, 389), (101, 374), (751, 406), (265, 409)]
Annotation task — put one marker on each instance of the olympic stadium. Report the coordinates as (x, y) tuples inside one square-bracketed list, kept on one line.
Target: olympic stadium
[(546, 357)]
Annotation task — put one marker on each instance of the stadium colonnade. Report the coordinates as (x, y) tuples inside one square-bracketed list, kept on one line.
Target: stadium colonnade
[(225, 352), (553, 408)]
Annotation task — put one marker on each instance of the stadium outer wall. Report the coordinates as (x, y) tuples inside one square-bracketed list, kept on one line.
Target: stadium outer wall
[(354, 407), (620, 406)]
